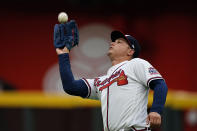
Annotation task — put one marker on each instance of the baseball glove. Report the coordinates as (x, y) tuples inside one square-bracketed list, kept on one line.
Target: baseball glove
[(66, 35)]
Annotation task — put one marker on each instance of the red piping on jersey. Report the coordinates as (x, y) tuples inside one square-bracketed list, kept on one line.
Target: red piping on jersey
[(88, 87), (108, 98), (149, 80), (107, 106)]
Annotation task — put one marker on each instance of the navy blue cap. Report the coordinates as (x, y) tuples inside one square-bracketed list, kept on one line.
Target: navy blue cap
[(133, 43)]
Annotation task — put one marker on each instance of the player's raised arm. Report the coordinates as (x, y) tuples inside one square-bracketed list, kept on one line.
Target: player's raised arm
[(63, 42), (70, 85)]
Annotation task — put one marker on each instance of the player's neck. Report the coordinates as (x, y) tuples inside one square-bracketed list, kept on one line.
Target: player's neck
[(117, 61)]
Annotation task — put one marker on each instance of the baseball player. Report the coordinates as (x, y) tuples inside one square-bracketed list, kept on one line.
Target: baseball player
[(123, 91)]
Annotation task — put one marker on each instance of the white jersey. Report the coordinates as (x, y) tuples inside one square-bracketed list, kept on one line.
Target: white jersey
[(123, 93)]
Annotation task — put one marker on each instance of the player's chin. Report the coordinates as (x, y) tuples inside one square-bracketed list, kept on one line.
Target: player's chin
[(109, 52)]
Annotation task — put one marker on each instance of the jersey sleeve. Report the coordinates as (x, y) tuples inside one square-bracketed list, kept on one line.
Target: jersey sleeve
[(145, 72), (92, 90)]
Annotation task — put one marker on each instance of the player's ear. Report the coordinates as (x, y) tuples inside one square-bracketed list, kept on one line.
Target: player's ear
[(130, 52)]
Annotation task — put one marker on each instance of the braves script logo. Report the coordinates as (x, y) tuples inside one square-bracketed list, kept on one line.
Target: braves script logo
[(121, 80)]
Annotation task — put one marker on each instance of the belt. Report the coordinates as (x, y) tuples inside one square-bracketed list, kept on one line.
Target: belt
[(143, 129)]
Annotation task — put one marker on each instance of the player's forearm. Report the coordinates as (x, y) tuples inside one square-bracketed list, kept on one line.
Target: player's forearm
[(159, 98), (70, 85)]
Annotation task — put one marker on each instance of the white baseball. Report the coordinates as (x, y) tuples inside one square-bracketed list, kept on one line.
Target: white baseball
[(62, 17)]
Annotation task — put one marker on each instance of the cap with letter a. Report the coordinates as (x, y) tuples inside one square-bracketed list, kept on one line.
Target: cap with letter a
[(133, 43)]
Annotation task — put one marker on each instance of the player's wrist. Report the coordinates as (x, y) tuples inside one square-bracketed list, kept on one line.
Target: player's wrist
[(157, 110), (62, 51)]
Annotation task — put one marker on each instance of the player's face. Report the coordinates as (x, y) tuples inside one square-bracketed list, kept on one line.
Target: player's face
[(119, 48)]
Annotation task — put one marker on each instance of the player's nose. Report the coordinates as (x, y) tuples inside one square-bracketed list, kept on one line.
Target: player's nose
[(112, 43)]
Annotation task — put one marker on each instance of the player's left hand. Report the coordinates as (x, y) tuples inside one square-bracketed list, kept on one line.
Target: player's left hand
[(154, 119), (63, 36)]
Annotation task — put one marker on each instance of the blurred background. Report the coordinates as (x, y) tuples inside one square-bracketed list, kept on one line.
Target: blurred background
[(31, 95)]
